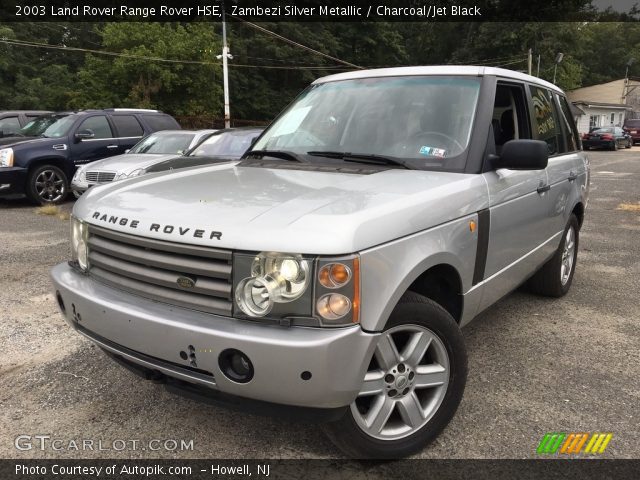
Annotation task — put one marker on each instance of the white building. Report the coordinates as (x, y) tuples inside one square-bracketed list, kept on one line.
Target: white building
[(606, 104)]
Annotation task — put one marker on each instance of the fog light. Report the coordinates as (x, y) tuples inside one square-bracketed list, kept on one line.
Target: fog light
[(333, 306), (235, 365)]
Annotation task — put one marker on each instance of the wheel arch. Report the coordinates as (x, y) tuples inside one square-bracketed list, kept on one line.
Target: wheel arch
[(578, 211), (60, 162), (442, 284), (438, 278)]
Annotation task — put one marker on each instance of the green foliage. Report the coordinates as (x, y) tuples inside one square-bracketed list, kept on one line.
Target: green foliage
[(265, 72)]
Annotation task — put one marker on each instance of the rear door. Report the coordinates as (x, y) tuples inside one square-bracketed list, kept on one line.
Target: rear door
[(102, 145), (565, 164), (128, 130)]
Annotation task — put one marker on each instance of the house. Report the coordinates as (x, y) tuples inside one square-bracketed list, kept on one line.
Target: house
[(606, 104)]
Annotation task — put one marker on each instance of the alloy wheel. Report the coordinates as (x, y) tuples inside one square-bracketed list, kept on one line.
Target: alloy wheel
[(49, 186), (404, 385), (568, 256)]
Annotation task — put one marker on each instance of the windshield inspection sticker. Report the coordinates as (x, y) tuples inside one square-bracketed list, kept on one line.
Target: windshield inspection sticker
[(432, 152)]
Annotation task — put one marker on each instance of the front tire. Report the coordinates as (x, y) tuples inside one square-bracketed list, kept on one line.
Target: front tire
[(555, 277), (412, 387), (47, 185)]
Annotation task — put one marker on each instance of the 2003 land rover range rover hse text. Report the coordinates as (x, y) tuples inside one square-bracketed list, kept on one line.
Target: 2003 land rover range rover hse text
[(376, 216)]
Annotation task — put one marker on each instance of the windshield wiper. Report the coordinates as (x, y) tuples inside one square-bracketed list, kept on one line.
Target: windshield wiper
[(363, 158), (282, 154)]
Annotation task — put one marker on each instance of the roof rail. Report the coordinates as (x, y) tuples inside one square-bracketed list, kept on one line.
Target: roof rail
[(131, 110)]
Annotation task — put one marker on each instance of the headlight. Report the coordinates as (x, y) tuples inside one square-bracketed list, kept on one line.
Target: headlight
[(137, 172), (285, 287), (275, 278), (80, 175), (79, 247), (6, 157), (337, 291)]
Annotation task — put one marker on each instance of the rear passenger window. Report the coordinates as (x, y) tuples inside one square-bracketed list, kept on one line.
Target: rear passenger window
[(9, 125), (127, 126), (546, 126), (572, 139), (99, 125), (161, 122)]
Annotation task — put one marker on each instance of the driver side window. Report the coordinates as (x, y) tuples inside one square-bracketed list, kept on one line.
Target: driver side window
[(510, 120), (99, 125)]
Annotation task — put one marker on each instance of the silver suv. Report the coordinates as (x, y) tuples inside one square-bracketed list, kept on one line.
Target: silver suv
[(331, 269)]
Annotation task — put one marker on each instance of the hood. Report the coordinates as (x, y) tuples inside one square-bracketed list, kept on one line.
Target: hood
[(14, 140), (187, 161), (284, 210), (129, 162)]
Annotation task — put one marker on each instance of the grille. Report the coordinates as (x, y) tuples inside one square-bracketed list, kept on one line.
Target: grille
[(151, 268), (100, 177)]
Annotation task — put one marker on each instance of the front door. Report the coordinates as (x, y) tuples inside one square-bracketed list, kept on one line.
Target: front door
[(102, 145), (519, 202)]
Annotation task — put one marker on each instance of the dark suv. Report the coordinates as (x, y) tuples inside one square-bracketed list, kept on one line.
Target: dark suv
[(632, 127), (43, 158)]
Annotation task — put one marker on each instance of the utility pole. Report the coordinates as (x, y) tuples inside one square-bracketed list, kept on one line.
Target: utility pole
[(529, 62), (225, 71), (538, 72)]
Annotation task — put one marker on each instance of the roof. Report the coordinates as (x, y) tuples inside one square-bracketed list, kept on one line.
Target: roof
[(602, 104), (469, 70), (608, 93)]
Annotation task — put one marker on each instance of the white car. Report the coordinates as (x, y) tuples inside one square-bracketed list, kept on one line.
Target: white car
[(152, 149)]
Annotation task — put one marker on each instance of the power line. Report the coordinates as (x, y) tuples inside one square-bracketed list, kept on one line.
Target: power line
[(165, 60), (291, 42)]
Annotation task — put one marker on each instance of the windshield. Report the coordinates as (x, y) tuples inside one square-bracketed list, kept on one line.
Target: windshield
[(231, 144), (37, 126), (423, 119), (60, 127), (163, 143)]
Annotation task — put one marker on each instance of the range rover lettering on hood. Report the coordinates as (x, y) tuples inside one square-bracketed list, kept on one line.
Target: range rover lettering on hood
[(157, 227)]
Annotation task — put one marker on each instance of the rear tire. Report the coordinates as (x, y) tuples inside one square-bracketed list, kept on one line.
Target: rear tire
[(422, 345), (47, 185), (555, 277)]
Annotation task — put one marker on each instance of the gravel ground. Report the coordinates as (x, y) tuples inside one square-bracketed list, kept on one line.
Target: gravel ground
[(535, 365)]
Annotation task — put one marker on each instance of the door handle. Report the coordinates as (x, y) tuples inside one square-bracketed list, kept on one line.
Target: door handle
[(112, 146), (572, 176), (543, 188)]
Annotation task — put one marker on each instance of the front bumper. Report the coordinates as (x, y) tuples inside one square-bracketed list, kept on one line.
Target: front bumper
[(153, 335), (79, 187), (12, 180)]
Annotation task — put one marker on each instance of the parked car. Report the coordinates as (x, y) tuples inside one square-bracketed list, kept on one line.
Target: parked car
[(155, 148), (11, 121), (41, 167), (221, 146), (330, 271), (632, 127), (611, 138)]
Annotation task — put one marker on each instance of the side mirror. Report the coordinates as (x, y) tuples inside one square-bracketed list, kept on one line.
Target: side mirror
[(84, 135), (253, 141), (523, 155)]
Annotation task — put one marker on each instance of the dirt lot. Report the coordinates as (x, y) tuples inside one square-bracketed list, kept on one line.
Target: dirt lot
[(535, 365)]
